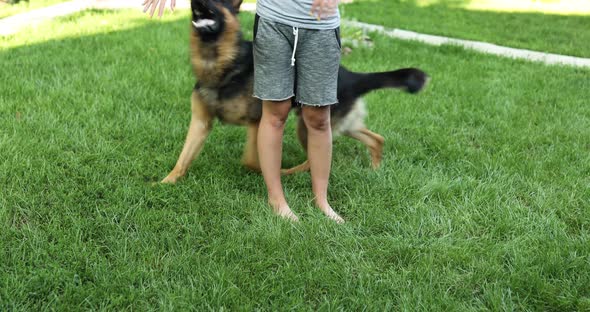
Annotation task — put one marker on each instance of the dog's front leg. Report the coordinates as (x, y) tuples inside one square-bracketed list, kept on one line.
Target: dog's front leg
[(198, 131)]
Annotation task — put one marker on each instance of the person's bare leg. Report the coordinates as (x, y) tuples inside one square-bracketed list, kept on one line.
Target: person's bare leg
[(270, 150), (319, 154)]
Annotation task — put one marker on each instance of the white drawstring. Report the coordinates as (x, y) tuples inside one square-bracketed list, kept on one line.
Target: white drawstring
[(296, 33)]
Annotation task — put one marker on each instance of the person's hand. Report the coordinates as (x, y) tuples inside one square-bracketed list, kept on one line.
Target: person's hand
[(324, 8), (154, 4)]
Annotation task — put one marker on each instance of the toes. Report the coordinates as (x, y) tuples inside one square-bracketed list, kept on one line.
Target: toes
[(330, 213), (292, 217), (287, 214), (336, 218)]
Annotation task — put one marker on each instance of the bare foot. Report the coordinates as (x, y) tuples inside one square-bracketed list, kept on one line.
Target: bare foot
[(282, 210), (330, 213)]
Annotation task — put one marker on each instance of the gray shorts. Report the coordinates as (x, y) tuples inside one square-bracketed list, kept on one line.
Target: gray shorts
[(313, 79)]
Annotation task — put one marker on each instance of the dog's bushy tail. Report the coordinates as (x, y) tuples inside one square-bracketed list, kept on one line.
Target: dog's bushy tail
[(411, 80)]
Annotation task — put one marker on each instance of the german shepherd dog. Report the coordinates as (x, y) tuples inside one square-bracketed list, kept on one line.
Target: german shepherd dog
[(223, 62)]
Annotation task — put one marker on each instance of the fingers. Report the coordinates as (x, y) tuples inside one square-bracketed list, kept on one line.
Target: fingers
[(332, 7), (315, 7), (146, 4), (154, 6), (324, 8), (162, 5)]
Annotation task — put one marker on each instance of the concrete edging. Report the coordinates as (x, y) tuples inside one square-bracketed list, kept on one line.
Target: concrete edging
[(484, 47)]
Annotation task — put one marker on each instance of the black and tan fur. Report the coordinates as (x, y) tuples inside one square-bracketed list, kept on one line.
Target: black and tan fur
[(223, 62)]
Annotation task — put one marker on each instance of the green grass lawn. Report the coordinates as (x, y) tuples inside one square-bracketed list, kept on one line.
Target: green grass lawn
[(561, 34), (481, 202)]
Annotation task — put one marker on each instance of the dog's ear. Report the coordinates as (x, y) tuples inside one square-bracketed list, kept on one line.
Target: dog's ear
[(237, 4)]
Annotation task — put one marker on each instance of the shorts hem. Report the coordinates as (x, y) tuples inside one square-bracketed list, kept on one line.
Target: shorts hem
[(318, 105), (273, 100)]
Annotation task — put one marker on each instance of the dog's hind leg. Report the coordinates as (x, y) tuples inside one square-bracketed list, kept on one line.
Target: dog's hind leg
[(373, 141), (198, 131), (250, 157)]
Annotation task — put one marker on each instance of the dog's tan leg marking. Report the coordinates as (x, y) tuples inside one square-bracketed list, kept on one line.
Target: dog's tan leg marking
[(373, 141), (250, 158), (198, 131)]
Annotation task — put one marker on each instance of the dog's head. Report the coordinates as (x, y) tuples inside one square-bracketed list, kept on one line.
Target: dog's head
[(209, 17)]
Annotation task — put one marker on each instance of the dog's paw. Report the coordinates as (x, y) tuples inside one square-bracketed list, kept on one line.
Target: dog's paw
[(252, 166), (170, 179)]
